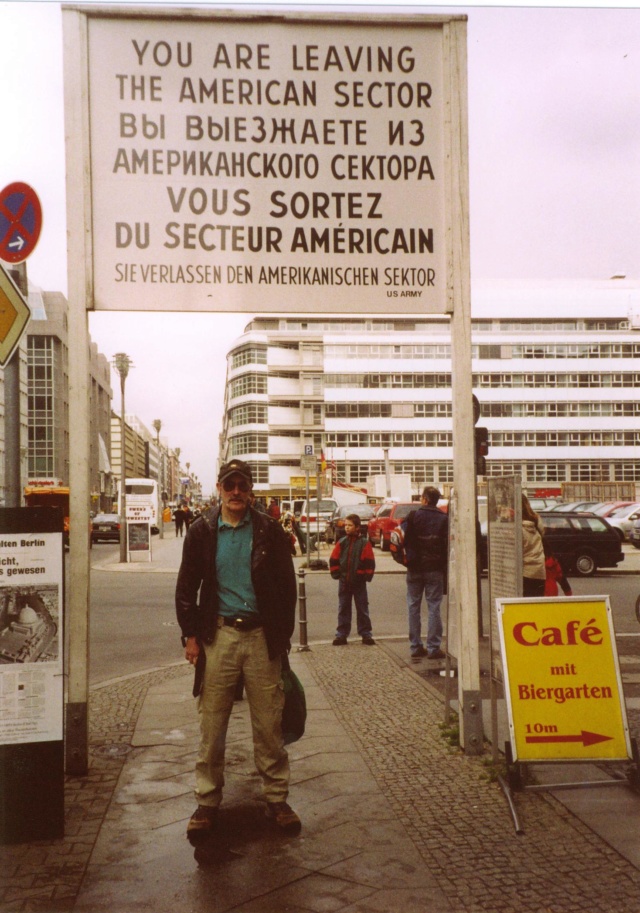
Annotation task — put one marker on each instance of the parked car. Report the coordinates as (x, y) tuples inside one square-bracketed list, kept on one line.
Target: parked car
[(581, 542), (294, 506), (335, 526), (390, 515), (318, 513), (568, 507), (539, 504), (622, 519), (634, 535), (105, 528), (604, 509)]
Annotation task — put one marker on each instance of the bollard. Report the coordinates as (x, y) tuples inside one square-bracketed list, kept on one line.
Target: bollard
[(302, 612)]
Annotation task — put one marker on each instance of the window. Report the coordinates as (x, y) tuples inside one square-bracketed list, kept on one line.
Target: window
[(250, 354), (594, 524), (248, 414), (248, 383), (248, 443)]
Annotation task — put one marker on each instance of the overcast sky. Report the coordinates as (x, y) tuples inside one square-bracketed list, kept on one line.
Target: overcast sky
[(554, 125)]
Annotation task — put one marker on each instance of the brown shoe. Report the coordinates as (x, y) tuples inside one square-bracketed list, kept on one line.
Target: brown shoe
[(437, 654), (284, 817), (201, 824)]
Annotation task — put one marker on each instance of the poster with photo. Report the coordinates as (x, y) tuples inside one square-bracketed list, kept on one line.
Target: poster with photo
[(31, 637)]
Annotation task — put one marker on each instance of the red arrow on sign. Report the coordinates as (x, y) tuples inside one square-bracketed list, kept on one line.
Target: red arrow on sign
[(587, 738)]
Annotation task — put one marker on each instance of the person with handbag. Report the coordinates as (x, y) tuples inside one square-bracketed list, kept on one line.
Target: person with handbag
[(534, 573), (235, 604)]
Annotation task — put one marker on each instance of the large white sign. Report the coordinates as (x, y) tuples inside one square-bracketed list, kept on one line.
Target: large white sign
[(269, 164)]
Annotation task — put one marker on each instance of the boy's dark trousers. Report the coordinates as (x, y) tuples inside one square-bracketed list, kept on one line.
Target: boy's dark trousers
[(358, 592)]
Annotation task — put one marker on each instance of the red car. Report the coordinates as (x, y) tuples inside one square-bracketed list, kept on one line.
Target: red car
[(388, 517)]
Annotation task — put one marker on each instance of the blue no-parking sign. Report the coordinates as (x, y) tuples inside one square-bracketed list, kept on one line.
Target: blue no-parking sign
[(20, 222)]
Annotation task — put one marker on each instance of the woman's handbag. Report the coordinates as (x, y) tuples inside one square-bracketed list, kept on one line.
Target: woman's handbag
[(294, 714)]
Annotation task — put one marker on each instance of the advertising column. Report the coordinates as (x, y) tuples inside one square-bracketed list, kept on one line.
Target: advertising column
[(31, 674)]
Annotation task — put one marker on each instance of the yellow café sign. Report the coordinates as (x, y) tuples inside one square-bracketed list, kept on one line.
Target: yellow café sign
[(562, 680)]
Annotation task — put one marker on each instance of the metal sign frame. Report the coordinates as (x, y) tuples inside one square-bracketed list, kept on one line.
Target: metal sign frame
[(452, 297), (141, 543), (572, 629)]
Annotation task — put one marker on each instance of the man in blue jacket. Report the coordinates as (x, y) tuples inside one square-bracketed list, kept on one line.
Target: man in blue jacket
[(426, 543)]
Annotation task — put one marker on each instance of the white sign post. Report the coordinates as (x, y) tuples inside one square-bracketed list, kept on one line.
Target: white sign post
[(265, 162)]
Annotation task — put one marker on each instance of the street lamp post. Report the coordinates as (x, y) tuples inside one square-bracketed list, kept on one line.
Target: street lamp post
[(122, 363), (157, 424)]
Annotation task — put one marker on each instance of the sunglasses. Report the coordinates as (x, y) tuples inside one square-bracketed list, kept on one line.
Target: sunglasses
[(231, 485)]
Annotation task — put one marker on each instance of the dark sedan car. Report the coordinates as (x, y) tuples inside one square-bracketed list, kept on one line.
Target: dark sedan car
[(335, 526), (105, 528), (581, 542)]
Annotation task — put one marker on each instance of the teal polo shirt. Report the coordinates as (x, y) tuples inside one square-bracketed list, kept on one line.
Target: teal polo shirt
[(236, 595)]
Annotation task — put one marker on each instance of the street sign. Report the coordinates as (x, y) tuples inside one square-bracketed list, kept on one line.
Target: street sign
[(287, 235), (14, 316), (308, 463), (562, 680), (20, 222)]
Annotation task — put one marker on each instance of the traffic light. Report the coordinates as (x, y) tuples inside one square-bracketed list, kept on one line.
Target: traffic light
[(481, 450)]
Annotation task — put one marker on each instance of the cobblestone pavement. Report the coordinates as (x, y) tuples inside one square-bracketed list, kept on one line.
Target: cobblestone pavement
[(45, 876), (456, 817)]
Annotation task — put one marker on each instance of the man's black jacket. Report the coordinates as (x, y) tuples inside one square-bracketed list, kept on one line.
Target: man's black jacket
[(426, 537), (272, 575)]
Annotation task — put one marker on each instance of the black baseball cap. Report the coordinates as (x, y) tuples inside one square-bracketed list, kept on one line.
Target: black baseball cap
[(235, 466)]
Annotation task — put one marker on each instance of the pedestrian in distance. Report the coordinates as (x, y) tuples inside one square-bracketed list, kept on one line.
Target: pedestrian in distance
[(534, 573), (188, 516), (352, 563), (178, 519), (555, 575), (235, 604), (273, 509), (287, 521), (426, 544)]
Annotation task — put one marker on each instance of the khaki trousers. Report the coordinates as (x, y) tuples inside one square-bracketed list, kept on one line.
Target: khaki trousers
[(231, 653)]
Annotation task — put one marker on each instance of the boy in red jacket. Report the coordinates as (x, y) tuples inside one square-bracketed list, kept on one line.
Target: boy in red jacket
[(353, 564)]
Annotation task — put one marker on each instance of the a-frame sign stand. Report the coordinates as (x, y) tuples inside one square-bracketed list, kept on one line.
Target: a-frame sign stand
[(563, 690)]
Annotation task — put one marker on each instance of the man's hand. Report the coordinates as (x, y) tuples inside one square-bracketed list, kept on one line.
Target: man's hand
[(192, 650)]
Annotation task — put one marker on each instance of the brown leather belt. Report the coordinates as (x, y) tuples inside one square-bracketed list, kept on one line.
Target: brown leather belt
[(240, 624)]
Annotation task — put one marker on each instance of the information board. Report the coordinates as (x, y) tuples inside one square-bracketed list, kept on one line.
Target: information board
[(562, 678), (504, 547), (31, 674), (138, 536), (259, 161)]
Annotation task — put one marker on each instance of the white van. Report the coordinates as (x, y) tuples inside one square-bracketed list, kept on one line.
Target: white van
[(318, 513)]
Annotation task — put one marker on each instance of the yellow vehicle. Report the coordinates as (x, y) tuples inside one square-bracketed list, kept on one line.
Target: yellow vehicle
[(50, 496)]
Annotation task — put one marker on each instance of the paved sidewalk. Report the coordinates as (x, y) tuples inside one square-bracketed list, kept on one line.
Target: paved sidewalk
[(394, 817)]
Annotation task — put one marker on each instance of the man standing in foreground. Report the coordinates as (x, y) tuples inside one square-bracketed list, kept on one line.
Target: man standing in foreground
[(426, 543), (235, 603)]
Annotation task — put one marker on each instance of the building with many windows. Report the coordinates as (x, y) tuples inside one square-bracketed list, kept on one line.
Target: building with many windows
[(556, 368), (48, 399)]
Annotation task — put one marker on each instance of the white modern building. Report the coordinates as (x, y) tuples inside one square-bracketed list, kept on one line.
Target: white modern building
[(556, 368)]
